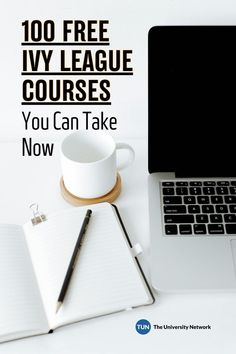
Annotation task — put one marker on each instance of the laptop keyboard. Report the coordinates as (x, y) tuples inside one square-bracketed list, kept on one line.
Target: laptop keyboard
[(199, 207)]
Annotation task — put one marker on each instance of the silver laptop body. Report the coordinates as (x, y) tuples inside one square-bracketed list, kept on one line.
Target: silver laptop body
[(193, 244)]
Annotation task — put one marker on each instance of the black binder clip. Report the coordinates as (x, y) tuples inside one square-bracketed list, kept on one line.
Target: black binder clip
[(38, 216)]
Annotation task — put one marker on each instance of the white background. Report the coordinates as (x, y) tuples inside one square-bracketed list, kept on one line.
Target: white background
[(23, 180), (115, 334), (130, 21)]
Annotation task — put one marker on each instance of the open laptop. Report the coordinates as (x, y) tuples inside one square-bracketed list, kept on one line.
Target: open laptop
[(192, 157)]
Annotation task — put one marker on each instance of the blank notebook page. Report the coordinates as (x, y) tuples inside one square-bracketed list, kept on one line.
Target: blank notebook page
[(21, 310), (106, 278)]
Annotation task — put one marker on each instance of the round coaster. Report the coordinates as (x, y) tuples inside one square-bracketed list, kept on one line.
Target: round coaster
[(109, 197)]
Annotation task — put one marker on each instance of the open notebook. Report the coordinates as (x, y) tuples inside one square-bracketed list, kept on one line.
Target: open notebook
[(34, 261)]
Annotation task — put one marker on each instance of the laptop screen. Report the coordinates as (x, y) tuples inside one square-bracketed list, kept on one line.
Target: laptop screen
[(192, 100)]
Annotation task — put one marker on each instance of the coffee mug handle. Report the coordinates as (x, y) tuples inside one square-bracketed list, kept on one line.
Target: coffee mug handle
[(125, 146)]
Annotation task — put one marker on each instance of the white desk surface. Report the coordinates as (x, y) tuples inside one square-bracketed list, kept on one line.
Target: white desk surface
[(27, 180)]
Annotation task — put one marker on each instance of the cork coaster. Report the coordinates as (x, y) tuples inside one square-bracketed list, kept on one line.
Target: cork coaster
[(109, 197)]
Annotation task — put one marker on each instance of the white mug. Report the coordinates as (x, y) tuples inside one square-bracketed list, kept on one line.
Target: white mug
[(89, 165)]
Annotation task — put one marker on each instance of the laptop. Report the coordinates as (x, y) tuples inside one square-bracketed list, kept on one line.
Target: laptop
[(192, 157)]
